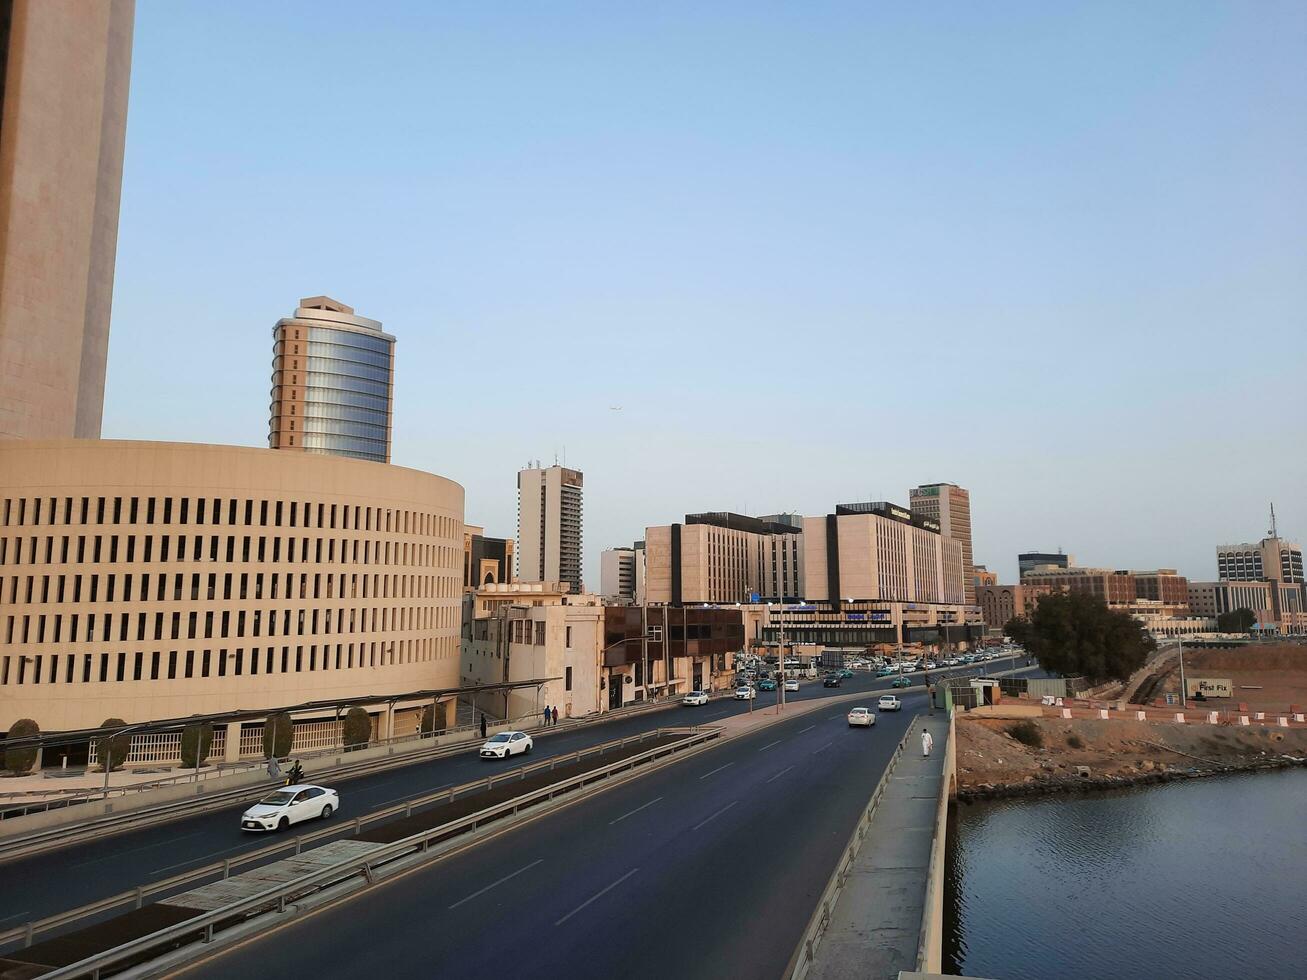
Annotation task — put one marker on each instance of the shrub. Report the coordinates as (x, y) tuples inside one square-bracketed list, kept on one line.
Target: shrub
[(112, 750), (428, 726), (1027, 733), (196, 741), (278, 734), (20, 759), (357, 730), (1075, 741)]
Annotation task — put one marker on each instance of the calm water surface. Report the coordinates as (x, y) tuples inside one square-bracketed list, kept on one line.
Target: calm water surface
[(1206, 878)]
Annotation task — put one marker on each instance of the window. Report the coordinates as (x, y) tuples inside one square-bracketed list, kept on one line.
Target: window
[(567, 681)]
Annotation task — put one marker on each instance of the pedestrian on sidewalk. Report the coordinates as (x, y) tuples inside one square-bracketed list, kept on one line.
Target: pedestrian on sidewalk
[(555, 714), (546, 716), (483, 725), (927, 743), (274, 770)]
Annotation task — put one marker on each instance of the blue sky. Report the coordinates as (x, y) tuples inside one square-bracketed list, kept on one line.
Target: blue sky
[(817, 252)]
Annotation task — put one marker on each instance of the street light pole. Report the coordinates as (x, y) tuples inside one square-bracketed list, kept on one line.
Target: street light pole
[(1184, 690)]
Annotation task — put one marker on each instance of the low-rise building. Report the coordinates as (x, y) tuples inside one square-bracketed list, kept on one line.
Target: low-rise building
[(1114, 587), (486, 560), (1000, 604)]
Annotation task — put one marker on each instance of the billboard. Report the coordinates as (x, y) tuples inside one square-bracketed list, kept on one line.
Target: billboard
[(1211, 687)]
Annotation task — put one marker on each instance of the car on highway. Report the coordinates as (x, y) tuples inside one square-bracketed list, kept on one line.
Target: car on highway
[(745, 693), (505, 744), (861, 718), (291, 804), (889, 702), (791, 685), (846, 673), (831, 680), (767, 685), (695, 698), (886, 672), (901, 682)]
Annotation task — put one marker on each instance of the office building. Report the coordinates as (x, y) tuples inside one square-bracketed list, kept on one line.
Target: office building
[(1030, 560), (1272, 558), (950, 506), (1164, 585), (549, 525), (486, 560), (723, 557), (332, 381), (150, 580), (1000, 604), (1114, 587), (1213, 599), (64, 74), (617, 575)]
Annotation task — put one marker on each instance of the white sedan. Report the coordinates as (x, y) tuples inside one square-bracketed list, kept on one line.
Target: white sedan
[(791, 685), (889, 702), (293, 804), (861, 718), (745, 693), (695, 698), (504, 744)]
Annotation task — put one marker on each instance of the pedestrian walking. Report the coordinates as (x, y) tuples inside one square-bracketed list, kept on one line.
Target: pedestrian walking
[(555, 714), (274, 770), (927, 743), (483, 726), (546, 716)]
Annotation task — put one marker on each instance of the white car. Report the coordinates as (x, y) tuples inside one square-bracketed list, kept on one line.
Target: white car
[(861, 718), (791, 685), (889, 702), (504, 744), (291, 804), (695, 698), (745, 694)]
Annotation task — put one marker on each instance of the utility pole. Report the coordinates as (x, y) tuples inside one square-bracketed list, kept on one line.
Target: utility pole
[(644, 649), (1184, 690), (780, 688)]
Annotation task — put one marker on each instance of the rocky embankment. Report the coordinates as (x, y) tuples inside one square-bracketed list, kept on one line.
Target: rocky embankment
[(998, 758)]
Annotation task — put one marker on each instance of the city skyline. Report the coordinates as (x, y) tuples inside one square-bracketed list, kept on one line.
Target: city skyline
[(984, 241)]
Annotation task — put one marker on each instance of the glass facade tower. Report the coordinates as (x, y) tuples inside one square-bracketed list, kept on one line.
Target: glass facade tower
[(332, 375)]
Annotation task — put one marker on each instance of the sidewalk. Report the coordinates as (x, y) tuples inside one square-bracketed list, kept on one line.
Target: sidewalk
[(876, 924)]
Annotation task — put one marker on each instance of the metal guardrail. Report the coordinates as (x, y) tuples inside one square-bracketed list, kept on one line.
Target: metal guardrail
[(27, 933), (202, 928), (805, 953)]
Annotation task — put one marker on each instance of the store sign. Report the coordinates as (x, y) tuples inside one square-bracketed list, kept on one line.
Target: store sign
[(1210, 687), (925, 492)]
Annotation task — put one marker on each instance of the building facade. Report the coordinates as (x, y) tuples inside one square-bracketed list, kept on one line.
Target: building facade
[(949, 505), (1271, 558), (486, 560), (617, 575), (1164, 585), (692, 648), (983, 576), (1030, 560), (723, 557), (1212, 599), (1000, 604), (1114, 587), (333, 375), (549, 517), (146, 580), (64, 74)]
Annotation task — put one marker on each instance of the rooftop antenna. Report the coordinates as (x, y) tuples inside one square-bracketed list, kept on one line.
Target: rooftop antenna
[(1273, 534)]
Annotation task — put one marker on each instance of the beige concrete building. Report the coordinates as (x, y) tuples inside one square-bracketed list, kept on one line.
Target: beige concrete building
[(950, 506), (722, 557), (65, 68), (1213, 599), (1114, 587), (486, 560), (1164, 585), (333, 375), (617, 574), (1272, 558), (999, 604), (549, 515), (147, 580)]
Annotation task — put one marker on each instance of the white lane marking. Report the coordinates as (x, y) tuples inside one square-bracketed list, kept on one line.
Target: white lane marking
[(811, 727), (631, 813), (824, 747), (770, 744), (596, 896), (495, 884), (715, 815), (203, 857), (780, 774), (717, 770), (144, 847), (833, 717)]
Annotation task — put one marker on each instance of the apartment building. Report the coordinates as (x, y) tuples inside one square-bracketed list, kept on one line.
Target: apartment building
[(549, 516)]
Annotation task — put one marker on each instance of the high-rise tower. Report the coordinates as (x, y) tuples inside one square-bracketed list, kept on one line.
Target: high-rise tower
[(549, 525), (950, 505)]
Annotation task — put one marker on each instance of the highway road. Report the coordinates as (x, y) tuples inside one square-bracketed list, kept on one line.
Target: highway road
[(708, 868), (85, 872)]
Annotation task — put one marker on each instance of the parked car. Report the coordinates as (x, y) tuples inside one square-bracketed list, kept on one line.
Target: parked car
[(889, 702), (767, 685), (695, 698), (861, 718), (504, 744), (831, 680), (292, 804), (791, 685), (901, 682), (745, 693)]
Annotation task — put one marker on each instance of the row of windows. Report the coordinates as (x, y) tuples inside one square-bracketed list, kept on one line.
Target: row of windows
[(23, 511), (345, 427), (316, 379), (87, 668), (373, 449), (93, 548), (348, 338), (348, 352)]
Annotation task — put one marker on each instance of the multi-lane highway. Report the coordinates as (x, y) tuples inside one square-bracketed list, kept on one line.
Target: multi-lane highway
[(81, 873)]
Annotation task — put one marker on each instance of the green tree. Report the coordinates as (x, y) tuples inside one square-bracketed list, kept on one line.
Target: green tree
[(1236, 621), (112, 750), (1075, 634), (19, 759), (278, 734), (197, 738), (357, 729), (428, 726)]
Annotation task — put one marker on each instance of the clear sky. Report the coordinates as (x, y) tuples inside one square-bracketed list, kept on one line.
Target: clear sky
[(816, 252)]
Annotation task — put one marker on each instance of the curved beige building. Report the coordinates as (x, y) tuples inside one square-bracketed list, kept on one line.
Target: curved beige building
[(148, 580)]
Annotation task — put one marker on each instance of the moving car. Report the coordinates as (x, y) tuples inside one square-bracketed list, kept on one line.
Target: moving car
[(831, 680), (292, 804), (767, 685), (861, 717), (889, 702), (845, 673), (901, 682), (791, 685), (504, 744), (695, 698), (745, 693)]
